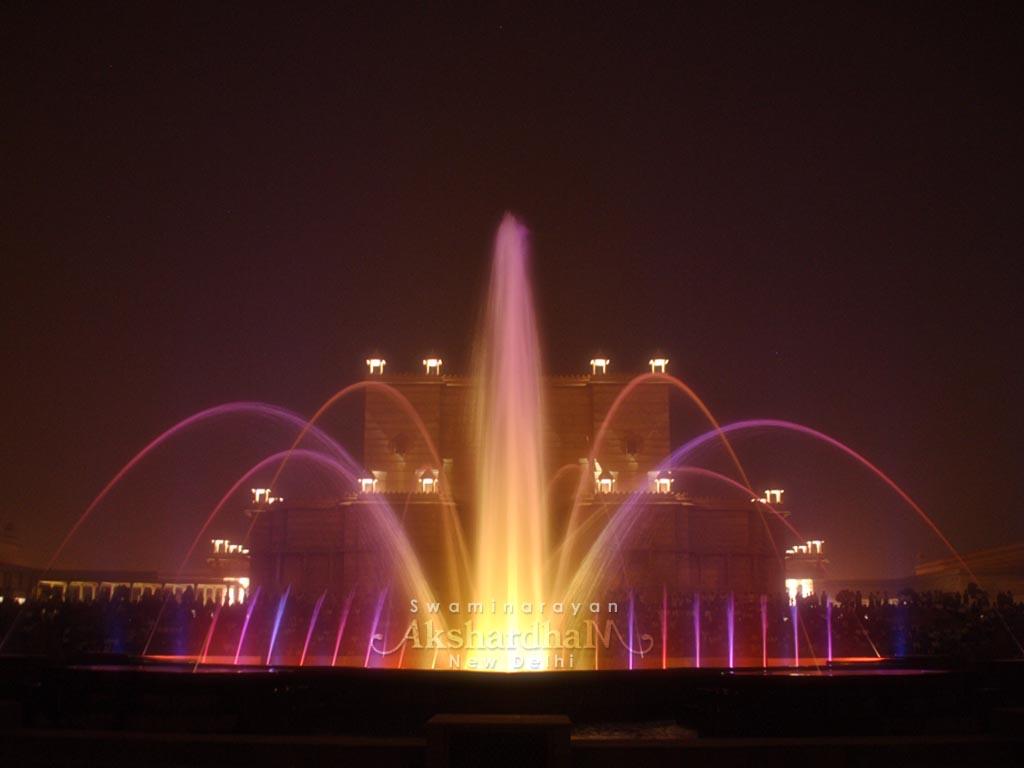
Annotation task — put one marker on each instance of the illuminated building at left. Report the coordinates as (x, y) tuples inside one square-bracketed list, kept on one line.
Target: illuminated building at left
[(224, 578)]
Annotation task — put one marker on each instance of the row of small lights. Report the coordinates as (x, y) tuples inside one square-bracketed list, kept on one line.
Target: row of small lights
[(432, 365), (429, 483)]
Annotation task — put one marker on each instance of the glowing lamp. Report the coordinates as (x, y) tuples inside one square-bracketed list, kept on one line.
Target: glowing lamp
[(606, 482), (368, 484), (263, 496), (658, 364), (772, 496), (428, 484), (599, 363), (663, 483), (433, 364), (797, 588), (376, 365)]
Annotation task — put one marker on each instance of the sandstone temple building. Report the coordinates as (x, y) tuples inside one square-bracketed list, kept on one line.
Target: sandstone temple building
[(682, 542)]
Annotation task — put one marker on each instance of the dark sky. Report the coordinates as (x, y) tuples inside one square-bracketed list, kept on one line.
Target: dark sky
[(814, 210)]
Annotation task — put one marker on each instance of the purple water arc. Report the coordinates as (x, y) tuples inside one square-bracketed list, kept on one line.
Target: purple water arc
[(210, 413), (688, 447), (696, 630), (312, 625), (322, 459), (245, 622), (277, 622), (739, 487), (626, 516)]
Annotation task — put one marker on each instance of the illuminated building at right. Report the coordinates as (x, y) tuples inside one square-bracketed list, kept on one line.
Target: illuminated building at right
[(806, 567)]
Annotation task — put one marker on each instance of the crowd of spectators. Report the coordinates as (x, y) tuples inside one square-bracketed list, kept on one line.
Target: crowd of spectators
[(968, 625), (954, 625)]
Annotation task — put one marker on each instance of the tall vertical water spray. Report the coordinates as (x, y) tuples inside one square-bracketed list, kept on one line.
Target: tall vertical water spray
[(631, 627), (696, 629), (245, 623), (510, 495), (342, 621), (828, 627), (381, 598), (730, 628), (209, 636), (312, 625), (794, 615), (664, 626), (764, 631), (281, 605)]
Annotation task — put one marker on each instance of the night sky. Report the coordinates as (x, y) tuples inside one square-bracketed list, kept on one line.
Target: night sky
[(814, 211)]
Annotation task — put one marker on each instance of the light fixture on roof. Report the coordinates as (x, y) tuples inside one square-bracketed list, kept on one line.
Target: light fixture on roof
[(663, 483), (799, 588), (433, 364), (606, 482), (428, 480), (264, 496), (599, 363), (376, 365), (658, 364), (368, 484)]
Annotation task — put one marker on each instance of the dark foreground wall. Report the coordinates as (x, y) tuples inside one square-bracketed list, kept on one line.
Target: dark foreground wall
[(79, 749), (162, 716)]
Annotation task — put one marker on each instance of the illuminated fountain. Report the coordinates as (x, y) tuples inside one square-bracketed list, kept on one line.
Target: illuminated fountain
[(511, 550), (515, 559)]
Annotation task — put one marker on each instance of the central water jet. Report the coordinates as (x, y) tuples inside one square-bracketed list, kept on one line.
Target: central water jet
[(511, 537)]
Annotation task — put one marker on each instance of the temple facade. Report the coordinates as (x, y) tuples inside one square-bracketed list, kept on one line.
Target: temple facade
[(419, 452)]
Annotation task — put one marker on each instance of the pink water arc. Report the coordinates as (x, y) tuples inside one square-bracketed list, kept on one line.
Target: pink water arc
[(794, 617), (510, 559)]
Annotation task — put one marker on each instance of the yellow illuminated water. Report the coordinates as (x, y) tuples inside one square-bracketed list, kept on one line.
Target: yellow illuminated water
[(510, 496)]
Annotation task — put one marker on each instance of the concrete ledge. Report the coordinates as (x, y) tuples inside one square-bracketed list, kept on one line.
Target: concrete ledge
[(79, 749), (869, 752), (498, 740), (28, 748)]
